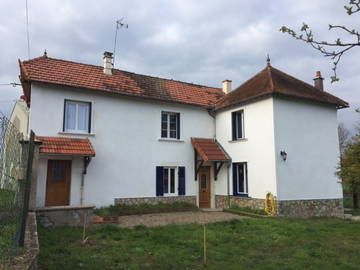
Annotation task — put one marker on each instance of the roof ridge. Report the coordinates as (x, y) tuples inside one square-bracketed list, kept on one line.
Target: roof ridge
[(269, 69), (121, 70)]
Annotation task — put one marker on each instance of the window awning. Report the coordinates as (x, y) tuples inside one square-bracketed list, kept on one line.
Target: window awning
[(209, 150), (66, 146)]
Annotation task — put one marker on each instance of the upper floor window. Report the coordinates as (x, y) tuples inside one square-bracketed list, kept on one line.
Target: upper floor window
[(77, 116), (237, 125), (170, 125), (240, 179)]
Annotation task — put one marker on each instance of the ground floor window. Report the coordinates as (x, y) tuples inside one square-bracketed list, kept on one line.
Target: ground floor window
[(240, 179), (170, 181)]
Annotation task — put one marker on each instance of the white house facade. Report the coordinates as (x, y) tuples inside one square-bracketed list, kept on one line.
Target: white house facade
[(114, 137)]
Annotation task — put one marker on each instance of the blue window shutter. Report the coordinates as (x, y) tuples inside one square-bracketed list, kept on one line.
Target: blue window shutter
[(181, 180), (178, 125), (234, 166), (159, 181), (233, 121)]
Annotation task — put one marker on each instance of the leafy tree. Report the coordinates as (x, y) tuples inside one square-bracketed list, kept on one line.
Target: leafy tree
[(349, 169), (335, 49)]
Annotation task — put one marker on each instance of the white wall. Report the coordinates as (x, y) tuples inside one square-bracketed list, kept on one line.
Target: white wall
[(20, 117), (125, 136), (308, 133), (257, 149)]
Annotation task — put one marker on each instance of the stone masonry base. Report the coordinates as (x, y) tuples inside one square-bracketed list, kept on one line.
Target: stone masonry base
[(222, 201), (311, 208), (156, 200), (290, 208), (65, 215)]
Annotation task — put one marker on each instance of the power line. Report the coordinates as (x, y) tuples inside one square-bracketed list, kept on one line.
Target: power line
[(13, 84), (27, 28)]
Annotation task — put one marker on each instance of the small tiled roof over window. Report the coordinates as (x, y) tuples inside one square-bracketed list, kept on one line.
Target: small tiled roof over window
[(65, 146), (209, 149)]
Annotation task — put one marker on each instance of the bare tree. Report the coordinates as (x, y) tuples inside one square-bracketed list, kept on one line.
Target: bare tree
[(336, 49), (344, 137)]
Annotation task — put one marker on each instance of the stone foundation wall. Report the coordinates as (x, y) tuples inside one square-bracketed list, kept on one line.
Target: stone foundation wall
[(310, 208), (222, 201), (65, 215), (156, 200)]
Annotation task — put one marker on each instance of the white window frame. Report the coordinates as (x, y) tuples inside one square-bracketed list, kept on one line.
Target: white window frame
[(244, 165), (89, 118), (241, 112), (168, 125), (176, 182)]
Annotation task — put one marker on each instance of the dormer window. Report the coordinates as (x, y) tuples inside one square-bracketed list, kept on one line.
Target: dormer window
[(237, 125), (170, 125), (77, 117)]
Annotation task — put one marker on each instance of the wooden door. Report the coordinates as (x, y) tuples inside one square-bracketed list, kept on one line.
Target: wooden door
[(58, 183), (204, 187)]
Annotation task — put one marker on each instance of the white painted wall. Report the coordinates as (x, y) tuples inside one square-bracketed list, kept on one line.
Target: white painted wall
[(308, 133), (257, 149), (125, 136), (20, 117)]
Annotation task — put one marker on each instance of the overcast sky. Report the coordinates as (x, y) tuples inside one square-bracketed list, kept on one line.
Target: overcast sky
[(199, 41)]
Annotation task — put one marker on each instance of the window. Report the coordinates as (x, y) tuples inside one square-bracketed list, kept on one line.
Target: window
[(237, 125), (170, 125), (77, 117), (240, 181), (169, 181)]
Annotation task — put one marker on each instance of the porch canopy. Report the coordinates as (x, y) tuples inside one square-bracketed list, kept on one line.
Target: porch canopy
[(66, 146), (209, 150)]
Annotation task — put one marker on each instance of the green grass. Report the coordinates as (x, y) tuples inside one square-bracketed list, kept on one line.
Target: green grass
[(112, 210), (321, 243)]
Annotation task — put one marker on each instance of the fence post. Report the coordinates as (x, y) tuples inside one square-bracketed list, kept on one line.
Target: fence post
[(30, 158)]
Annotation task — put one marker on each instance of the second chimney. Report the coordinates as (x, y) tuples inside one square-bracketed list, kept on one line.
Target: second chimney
[(226, 86), (108, 64), (318, 81)]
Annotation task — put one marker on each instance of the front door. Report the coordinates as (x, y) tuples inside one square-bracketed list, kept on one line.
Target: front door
[(58, 183), (204, 187)]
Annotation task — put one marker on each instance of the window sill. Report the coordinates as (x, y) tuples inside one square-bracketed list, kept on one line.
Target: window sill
[(170, 140), (76, 133), (238, 140), (242, 195)]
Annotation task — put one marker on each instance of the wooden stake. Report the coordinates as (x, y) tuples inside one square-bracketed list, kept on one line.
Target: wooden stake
[(204, 244), (84, 228)]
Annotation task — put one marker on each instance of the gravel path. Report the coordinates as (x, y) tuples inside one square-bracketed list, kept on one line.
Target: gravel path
[(162, 219)]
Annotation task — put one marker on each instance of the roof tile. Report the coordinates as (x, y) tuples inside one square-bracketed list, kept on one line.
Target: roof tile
[(65, 146)]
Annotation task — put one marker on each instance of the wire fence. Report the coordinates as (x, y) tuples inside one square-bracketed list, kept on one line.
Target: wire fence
[(14, 189)]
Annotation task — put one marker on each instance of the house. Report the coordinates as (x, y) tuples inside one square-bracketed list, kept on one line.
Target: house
[(111, 136)]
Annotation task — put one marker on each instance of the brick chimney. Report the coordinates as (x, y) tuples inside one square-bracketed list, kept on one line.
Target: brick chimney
[(108, 64), (318, 81), (226, 86)]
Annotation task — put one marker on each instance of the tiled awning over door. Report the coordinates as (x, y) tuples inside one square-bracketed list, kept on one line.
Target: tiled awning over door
[(209, 150), (66, 146)]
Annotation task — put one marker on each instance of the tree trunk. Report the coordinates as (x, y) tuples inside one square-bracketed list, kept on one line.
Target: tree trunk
[(355, 200)]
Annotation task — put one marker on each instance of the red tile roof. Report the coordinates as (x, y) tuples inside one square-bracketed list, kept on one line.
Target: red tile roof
[(209, 149), (55, 71), (271, 81), (65, 146), (268, 82)]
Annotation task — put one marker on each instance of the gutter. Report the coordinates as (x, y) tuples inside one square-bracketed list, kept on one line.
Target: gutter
[(86, 164)]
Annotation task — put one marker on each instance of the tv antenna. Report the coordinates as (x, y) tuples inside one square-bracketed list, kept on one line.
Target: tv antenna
[(119, 24)]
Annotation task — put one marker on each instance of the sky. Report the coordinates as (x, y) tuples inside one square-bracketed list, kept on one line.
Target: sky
[(203, 41)]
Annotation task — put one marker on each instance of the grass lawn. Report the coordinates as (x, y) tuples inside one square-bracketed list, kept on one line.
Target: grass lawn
[(322, 243)]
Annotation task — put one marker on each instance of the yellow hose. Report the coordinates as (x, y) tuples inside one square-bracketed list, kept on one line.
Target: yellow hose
[(270, 204)]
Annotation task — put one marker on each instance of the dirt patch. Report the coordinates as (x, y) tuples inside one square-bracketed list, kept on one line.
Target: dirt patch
[(163, 219)]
